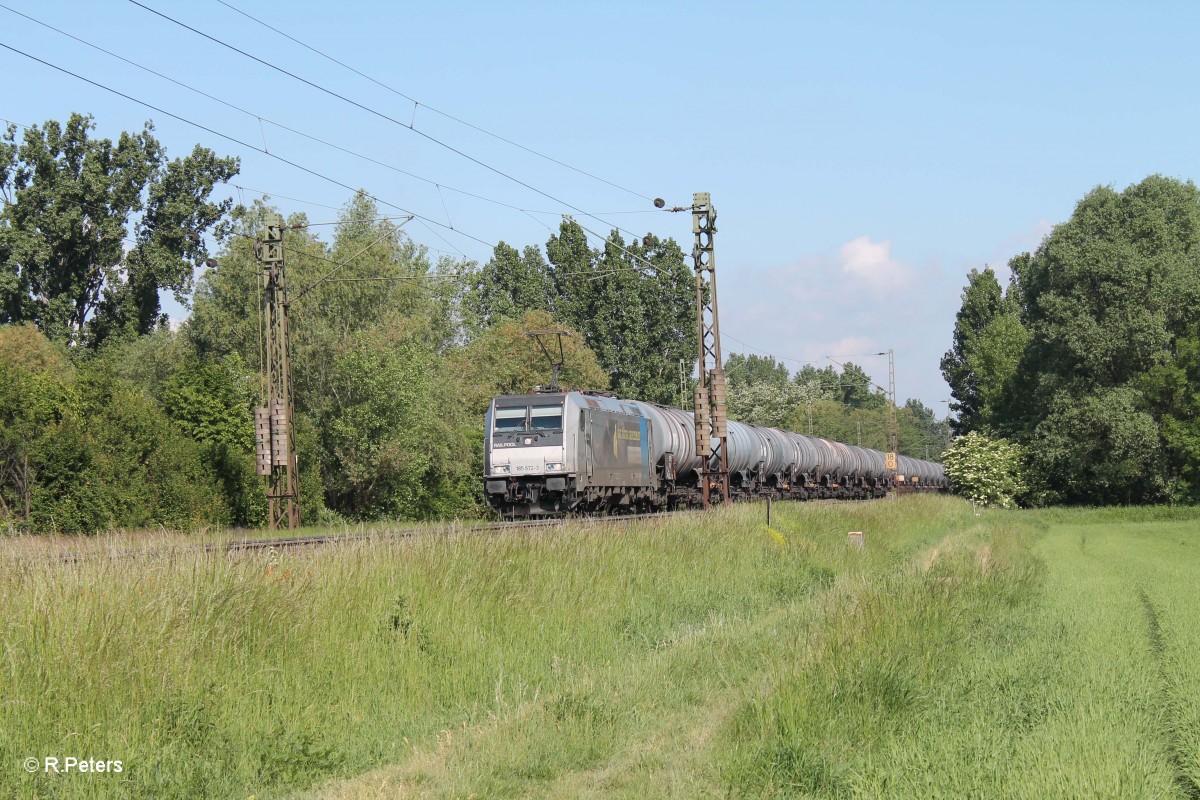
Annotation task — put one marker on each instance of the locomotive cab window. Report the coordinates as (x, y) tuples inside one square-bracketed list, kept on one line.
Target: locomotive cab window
[(510, 419), (546, 418)]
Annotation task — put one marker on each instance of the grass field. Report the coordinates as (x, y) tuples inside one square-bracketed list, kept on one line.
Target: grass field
[(1015, 654)]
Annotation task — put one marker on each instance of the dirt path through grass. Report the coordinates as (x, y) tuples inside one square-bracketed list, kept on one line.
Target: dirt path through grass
[(1122, 605), (1089, 687)]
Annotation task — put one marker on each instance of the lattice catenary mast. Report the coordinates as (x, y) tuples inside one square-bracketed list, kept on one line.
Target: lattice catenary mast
[(893, 425), (275, 432), (711, 423)]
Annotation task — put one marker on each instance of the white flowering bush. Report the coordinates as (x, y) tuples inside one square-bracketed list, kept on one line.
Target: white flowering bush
[(985, 470)]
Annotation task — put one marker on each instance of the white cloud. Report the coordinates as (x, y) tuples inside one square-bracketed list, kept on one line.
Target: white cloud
[(856, 299), (872, 263), (852, 348)]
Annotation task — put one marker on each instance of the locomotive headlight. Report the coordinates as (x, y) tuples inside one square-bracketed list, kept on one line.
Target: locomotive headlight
[(554, 466), (501, 469)]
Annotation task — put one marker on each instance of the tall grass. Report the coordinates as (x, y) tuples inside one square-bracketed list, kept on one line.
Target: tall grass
[(887, 697), (222, 676), (1013, 654), (651, 724)]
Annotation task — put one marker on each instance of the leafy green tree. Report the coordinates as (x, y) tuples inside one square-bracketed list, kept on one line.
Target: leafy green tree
[(378, 277), (510, 284), (764, 402), (605, 303), (823, 379), (858, 390), (212, 401), (135, 468), (1107, 298), (1172, 390), (573, 272), (505, 360), (81, 449), (995, 355), (1100, 448), (146, 362), (744, 370), (70, 204), (989, 340), (1109, 291), (1087, 358), (370, 287), (985, 470), (633, 303), (760, 390), (34, 376), (668, 300), (393, 441)]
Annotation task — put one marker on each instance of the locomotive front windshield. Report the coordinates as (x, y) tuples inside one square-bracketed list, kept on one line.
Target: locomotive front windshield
[(528, 418), (510, 419), (545, 418)]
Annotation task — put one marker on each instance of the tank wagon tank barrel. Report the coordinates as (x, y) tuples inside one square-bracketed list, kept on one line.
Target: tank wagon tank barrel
[(577, 452)]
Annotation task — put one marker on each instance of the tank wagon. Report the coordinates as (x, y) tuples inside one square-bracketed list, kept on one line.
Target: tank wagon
[(558, 453)]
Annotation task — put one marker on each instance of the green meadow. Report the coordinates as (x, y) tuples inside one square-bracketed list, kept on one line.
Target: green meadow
[(1010, 654)]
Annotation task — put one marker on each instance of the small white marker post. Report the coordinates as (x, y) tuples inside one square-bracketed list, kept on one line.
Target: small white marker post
[(857, 539)]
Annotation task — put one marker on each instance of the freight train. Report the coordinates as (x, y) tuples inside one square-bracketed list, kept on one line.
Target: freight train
[(579, 452)]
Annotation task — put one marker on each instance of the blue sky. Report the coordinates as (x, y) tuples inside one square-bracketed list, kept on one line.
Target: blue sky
[(862, 157)]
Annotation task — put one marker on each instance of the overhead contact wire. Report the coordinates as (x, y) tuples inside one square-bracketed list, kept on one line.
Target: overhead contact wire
[(235, 140), (261, 119), (376, 113), (417, 103)]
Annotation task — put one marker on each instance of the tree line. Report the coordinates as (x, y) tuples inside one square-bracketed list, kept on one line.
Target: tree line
[(112, 416), (1089, 359)]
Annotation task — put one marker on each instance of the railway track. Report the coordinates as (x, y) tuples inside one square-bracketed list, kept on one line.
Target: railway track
[(279, 543), (283, 543), (318, 540)]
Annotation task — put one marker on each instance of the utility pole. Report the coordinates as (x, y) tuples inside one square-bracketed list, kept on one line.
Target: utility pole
[(893, 424), (711, 422), (275, 431)]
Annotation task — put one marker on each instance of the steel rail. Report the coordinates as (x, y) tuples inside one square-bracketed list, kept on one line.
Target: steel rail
[(243, 546)]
